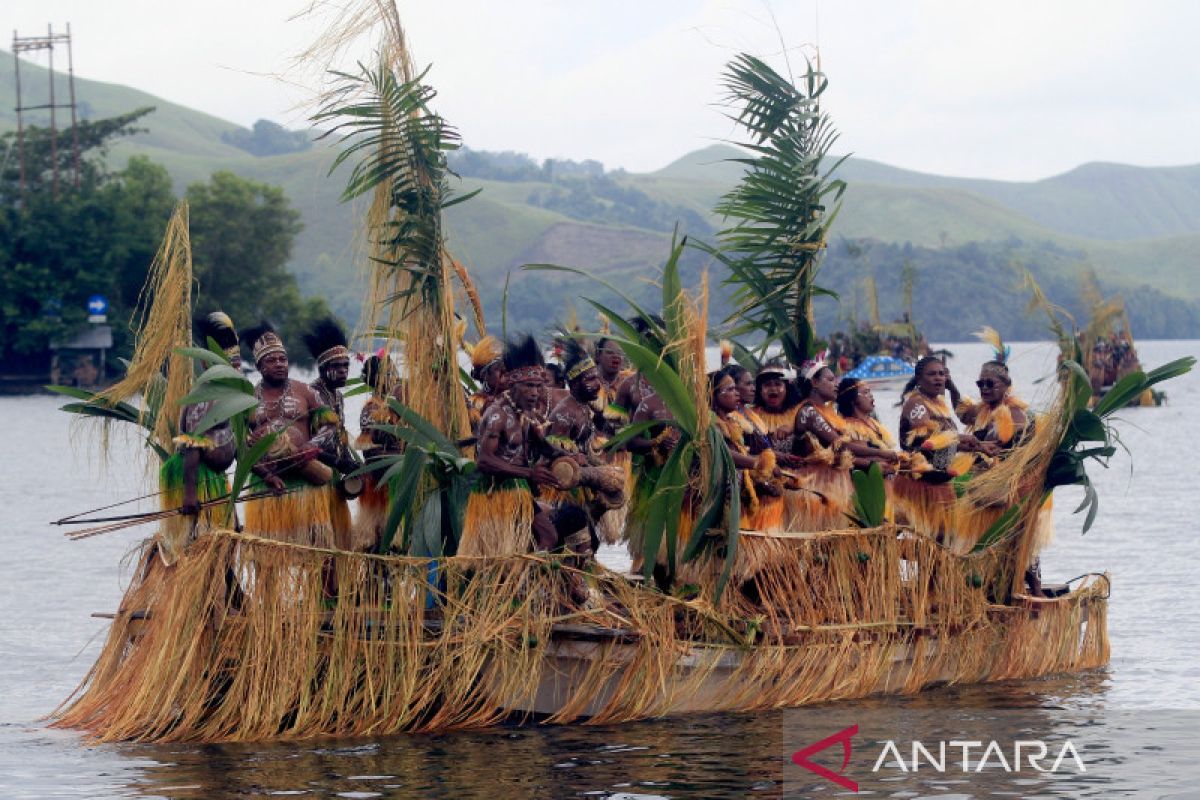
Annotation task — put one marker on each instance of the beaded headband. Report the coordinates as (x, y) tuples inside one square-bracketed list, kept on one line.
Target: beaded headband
[(335, 352), (524, 374), (583, 366), (267, 344)]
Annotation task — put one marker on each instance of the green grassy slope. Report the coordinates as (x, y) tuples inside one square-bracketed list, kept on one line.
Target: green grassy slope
[(1136, 225)]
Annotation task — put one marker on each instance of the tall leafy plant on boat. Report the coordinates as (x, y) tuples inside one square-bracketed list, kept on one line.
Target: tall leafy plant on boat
[(1065, 440), (396, 146), (699, 476), (781, 210)]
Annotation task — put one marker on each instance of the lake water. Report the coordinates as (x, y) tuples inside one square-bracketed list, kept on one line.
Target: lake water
[(1135, 722)]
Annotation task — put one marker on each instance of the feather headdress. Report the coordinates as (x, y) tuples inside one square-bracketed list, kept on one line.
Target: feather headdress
[(484, 353), (575, 359), (262, 341), (523, 359), (218, 327), (326, 341), (990, 335)]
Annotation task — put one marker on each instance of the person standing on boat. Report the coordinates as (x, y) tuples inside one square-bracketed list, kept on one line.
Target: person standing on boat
[(380, 374), (502, 518), (820, 441), (755, 427), (776, 400), (1000, 422), (327, 343), (866, 437), (610, 366), (576, 426), (487, 369), (762, 500), (927, 431), (195, 473), (300, 509), (631, 387)]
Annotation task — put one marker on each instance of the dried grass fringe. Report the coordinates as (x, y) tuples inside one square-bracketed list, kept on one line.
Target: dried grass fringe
[(840, 615)]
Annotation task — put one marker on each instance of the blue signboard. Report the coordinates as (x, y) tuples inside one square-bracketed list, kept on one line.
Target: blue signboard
[(97, 305)]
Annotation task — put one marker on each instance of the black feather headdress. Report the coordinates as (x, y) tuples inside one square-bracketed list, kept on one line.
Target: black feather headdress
[(575, 358), (218, 327), (326, 341), (262, 340), (523, 359)]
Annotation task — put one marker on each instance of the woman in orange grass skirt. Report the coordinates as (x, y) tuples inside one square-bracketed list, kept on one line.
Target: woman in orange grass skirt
[(924, 496), (762, 508), (825, 491)]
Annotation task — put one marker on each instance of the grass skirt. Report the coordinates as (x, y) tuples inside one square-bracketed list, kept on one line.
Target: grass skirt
[(175, 533), (832, 618), (928, 508), (806, 511), (768, 518), (305, 516), (499, 518), (643, 477)]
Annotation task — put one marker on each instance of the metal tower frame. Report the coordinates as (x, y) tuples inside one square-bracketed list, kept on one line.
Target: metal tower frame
[(26, 44)]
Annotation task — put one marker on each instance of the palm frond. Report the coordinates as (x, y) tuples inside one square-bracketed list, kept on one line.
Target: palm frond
[(781, 210)]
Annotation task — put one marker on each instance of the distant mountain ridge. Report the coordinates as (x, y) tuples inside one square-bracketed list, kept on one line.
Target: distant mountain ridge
[(1138, 226)]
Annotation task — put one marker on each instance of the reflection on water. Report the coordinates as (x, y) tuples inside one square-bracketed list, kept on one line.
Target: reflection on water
[(1144, 536)]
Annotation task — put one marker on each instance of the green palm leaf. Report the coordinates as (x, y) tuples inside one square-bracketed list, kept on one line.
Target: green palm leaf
[(781, 210)]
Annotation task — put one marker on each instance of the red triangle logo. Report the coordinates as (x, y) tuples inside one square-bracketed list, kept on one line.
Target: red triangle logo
[(801, 757)]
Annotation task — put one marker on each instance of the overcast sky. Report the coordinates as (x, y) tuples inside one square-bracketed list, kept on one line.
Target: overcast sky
[(1010, 89)]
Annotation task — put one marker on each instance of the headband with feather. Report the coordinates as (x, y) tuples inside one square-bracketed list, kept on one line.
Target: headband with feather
[(523, 360), (326, 341), (263, 341), (575, 359), (1000, 351)]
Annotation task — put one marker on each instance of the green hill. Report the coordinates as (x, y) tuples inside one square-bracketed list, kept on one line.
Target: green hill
[(1137, 226)]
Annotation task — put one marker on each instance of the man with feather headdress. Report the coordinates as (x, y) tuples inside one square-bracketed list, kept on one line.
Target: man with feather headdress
[(195, 473), (327, 343), (487, 369), (301, 509), (575, 425), (502, 518)]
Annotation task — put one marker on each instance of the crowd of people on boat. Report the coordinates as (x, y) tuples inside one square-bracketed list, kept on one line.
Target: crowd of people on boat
[(1111, 358), (546, 477)]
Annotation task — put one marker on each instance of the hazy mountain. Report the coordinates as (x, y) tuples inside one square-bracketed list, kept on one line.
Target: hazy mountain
[(1137, 226)]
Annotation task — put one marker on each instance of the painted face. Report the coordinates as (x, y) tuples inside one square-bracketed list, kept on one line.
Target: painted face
[(235, 361), (932, 380), (274, 367), (528, 392), (774, 392), (587, 386), (610, 358), (745, 387), (726, 397), (865, 402), (825, 384), (992, 387), (336, 372)]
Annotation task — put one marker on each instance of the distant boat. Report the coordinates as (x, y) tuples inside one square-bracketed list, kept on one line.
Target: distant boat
[(882, 370)]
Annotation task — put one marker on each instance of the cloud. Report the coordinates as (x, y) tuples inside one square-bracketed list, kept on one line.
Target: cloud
[(1016, 90)]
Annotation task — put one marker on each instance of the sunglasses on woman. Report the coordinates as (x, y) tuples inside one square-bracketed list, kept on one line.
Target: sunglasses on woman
[(986, 383)]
